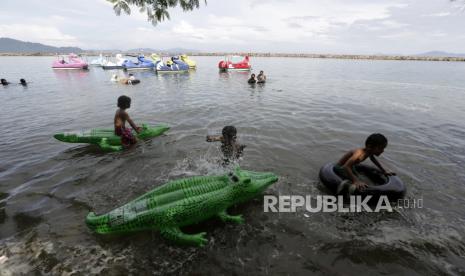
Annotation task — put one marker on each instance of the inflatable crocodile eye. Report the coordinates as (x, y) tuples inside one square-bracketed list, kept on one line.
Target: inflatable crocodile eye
[(235, 178)]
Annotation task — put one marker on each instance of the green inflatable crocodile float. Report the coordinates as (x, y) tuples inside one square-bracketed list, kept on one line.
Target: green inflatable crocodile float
[(183, 202), (106, 138)]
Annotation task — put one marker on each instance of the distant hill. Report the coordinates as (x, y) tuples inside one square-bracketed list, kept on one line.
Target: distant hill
[(14, 46), (440, 54), (8, 45)]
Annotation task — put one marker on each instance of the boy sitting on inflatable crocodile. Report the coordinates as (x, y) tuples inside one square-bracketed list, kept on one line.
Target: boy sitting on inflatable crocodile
[(121, 116), (229, 146), (374, 146)]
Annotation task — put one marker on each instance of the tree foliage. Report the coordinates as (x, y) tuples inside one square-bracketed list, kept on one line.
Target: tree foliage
[(156, 10)]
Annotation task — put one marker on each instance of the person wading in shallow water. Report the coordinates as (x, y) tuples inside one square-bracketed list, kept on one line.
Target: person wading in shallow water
[(261, 78), (229, 147), (252, 79)]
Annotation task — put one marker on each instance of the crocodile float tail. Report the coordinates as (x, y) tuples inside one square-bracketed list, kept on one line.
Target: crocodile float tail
[(69, 138), (97, 224)]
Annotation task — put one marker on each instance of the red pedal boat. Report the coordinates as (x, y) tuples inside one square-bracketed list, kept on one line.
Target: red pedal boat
[(235, 63)]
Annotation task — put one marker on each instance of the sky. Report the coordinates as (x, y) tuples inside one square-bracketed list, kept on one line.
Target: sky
[(284, 26)]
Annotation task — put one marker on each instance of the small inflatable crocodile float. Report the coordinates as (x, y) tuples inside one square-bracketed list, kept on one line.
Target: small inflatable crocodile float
[(184, 202), (106, 138)]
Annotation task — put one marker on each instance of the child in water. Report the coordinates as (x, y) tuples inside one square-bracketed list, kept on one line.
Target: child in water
[(374, 146), (252, 79), (121, 116), (229, 146), (130, 80), (261, 78)]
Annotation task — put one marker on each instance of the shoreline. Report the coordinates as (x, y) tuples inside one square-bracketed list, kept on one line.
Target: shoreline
[(287, 55)]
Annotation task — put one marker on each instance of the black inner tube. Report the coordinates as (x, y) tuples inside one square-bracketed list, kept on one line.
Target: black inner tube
[(390, 186)]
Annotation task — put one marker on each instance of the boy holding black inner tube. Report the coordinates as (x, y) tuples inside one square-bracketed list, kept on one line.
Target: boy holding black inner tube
[(374, 146)]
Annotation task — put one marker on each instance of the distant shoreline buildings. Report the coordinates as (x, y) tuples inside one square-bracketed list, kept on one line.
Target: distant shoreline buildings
[(285, 55), (338, 56), (14, 47)]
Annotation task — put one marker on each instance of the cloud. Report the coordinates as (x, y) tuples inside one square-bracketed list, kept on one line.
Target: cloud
[(255, 3), (379, 25), (392, 24), (268, 23), (439, 14), (398, 35), (144, 29), (57, 17), (336, 26), (259, 29), (184, 29), (301, 18), (293, 25), (44, 34), (438, 34)]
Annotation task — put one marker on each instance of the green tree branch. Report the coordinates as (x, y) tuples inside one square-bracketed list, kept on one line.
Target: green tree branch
[(156, 10)]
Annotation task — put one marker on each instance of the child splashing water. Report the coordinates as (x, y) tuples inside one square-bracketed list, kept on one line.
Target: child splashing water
[(121, 116), (229, 147), (210, 162)]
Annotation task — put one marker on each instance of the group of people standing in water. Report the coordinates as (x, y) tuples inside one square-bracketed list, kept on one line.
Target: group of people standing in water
[(4, 82), (261, 78)]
